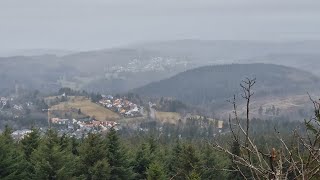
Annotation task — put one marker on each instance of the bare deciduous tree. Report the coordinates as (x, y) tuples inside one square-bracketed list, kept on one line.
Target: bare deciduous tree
[(299, 160)]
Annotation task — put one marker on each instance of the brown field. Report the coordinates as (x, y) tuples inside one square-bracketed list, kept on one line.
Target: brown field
[(133, 120), (88, 108), (288, 105), (170, 117)]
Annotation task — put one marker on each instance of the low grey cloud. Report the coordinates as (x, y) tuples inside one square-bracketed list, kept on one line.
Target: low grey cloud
[(95, 24)]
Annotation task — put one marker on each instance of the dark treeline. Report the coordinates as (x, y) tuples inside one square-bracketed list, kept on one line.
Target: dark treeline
[(163, 151)]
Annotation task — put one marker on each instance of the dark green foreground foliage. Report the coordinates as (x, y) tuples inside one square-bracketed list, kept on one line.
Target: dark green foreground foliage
[(151, 155), (103, 157)]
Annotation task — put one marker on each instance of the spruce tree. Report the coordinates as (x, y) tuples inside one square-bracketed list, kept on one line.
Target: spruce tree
[(183, 161), (74, 146), (11, 160), (174, 160), (142, 161), (189, 164), (49, 161), (193, 175), (101, 170), (235, 149), (92, 156), (209, 164), (156, 171), (116, 157), (30, 142)]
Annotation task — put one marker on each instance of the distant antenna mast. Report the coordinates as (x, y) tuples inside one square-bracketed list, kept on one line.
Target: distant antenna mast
[(16, 88), (48, 110), (49, 122)]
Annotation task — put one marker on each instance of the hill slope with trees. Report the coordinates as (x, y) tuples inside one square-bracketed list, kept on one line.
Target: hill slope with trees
[(215, 84)]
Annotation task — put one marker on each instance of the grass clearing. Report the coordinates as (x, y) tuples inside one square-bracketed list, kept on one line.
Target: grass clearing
[(170, 117), (88, 108)]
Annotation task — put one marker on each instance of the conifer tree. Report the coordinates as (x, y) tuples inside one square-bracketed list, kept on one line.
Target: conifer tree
[(189, 164), (142, 161), (156, 171), (209, 164), (116, 157), (49, 161), (11, 160), (74, 146), (183, 161), (64, 142), (234, 173), (101, 170), (173, 160), (92, 156), (30, 142), (194, 175)]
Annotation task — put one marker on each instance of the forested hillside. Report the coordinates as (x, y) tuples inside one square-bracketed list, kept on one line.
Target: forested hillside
[(215, 84)]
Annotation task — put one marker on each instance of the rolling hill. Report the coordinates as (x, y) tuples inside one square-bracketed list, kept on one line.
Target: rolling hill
[(213, 85), (117, 70)]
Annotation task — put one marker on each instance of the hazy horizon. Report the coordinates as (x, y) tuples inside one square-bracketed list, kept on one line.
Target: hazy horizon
[(86, 25)]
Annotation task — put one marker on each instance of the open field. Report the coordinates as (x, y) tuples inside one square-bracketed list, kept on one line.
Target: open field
[(88, 108), (289, 106), (170, 117)]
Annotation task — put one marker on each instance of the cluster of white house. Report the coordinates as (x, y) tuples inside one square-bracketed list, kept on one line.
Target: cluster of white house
[(20, 134), (18, 107), (85, 124), (120, 105), (73, 127), (3, 100)]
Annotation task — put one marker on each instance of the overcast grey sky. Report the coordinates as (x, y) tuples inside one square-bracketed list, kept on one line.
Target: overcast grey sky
[(96, 24)]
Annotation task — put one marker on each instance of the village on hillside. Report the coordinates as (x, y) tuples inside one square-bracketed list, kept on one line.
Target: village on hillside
[(77, 115), (122, 106)]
